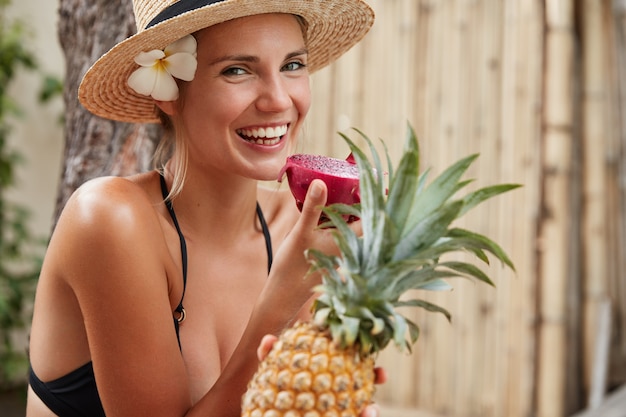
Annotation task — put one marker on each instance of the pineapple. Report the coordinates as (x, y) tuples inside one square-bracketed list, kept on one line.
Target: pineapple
[(325, 368)]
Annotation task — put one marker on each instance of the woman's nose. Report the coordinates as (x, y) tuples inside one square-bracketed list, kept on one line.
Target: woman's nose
[(274, 95)]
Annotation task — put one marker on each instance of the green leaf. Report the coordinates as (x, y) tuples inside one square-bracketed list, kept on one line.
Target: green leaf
[(427, 306), (402, 189), (439, 191), (427, 231), (469, 270), (436, 285), (346, 240), (481, 242), (473, 199), (399, 330)]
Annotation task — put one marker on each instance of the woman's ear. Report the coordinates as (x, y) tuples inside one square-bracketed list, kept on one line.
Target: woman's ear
[(167, 107)]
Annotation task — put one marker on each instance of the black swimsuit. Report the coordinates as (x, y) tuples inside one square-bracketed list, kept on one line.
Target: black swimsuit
[(76, 394)]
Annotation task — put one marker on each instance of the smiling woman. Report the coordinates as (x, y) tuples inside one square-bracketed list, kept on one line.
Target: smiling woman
[(164, 300)]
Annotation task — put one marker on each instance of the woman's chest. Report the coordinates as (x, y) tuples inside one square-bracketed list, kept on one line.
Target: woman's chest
[(220, 293)]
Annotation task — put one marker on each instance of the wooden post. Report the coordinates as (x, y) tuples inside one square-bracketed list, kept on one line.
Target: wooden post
[(618, 253), (595, 122), (554, 224)]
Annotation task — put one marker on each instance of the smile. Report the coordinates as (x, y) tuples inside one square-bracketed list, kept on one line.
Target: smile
[(263, 135)]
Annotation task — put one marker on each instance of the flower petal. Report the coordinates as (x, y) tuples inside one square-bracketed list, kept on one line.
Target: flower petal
[(155, 77), (165, 87), (142, 80), (187, 44), (182, 66), (147, 59)]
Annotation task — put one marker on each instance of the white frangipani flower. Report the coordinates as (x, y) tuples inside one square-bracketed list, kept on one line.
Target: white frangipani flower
[(155, 76)]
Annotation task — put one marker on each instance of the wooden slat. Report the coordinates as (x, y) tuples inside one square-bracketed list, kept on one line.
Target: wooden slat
[(594, 233), (556, 221)]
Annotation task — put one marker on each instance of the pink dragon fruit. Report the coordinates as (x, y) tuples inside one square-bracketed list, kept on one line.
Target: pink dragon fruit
[(341, 177)]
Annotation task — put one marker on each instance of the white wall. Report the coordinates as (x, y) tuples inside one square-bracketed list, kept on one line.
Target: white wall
[(38, 135)]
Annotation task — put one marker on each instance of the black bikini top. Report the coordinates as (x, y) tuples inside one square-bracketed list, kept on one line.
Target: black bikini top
[(76, 394), (183, 250)]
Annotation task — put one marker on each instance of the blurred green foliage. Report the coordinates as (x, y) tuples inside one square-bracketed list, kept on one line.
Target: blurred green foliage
[(20, 251)]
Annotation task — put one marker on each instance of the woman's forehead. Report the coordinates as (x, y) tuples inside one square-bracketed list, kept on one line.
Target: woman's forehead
[(245, 27)]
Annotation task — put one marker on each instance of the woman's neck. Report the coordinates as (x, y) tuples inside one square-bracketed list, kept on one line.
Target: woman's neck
[(224, 205)]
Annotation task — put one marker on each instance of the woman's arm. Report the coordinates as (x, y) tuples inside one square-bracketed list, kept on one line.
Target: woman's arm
[(116, 262)]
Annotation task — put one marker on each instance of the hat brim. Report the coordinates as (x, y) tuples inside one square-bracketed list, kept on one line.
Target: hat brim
[(333, 27)]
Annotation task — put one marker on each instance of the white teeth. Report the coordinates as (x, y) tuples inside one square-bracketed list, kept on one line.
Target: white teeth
[(272, 134), (267, 142)]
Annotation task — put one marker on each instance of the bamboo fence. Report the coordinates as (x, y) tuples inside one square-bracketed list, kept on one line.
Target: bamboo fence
[(538, 88)]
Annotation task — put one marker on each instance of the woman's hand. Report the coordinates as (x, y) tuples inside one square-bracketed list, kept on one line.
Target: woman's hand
[(380, 377), (288, 284)]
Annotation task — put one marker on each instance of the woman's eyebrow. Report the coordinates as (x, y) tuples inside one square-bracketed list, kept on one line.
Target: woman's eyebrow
[(254, 58), (240, 58), (299, 52)]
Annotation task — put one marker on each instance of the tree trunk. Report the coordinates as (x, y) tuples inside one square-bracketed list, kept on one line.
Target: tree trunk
[(94, 146)]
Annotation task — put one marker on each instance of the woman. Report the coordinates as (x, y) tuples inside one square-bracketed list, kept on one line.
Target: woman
[(155, 292)]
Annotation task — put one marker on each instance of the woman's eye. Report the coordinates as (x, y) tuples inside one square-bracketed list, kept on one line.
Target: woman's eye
[(232, 71), (294, 66)]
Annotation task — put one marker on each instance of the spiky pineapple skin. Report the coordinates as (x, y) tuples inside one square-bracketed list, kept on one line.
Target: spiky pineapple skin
[(307, 375)]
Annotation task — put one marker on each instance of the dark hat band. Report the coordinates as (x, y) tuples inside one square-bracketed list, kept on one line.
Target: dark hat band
[(178, 8)]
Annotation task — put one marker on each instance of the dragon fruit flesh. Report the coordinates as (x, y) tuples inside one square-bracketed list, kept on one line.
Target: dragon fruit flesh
[(341, 177)]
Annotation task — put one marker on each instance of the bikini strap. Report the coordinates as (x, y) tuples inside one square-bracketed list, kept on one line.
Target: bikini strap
[(268, 237), (183, 250)]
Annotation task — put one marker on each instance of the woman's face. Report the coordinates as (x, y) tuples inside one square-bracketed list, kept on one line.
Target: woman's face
[(244, 108)]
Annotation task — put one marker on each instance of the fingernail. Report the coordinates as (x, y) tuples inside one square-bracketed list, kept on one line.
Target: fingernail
[(315, 191)]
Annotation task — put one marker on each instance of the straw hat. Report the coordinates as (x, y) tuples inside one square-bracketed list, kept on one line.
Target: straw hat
[(333, 27)]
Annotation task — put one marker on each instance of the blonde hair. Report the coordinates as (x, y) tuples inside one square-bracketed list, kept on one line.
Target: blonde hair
[(172, 145)]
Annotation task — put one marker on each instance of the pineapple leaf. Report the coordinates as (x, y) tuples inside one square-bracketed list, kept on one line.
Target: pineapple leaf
[(439, 191), (378, 324), (402, 277), (372, 196), (343, 209), (346, 239), (447, 245), (468, 270), (378, 169), (400, 329), (390, 168), (427, 231), (473, 199), (367, 342), (436, 285), (321, 261), (481, 242), (349, 330), (414, 332), (402, 188), (427, 306)]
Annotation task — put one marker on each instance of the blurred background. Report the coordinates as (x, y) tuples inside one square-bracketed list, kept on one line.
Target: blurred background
[(536, 87)]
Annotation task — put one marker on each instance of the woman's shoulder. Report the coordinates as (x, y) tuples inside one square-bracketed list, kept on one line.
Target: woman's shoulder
[(116, 198), (108, 218), (110, 208)]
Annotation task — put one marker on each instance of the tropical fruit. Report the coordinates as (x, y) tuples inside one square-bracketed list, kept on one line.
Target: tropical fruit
[(340, 175), (325, 368)]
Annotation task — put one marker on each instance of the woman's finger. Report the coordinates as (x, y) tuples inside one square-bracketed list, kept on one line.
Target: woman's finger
[(313, 203), (371, 410), (380, 375), (265, 346)]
